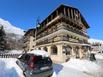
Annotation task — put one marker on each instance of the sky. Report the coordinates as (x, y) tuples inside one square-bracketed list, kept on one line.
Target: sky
[(24, 13)]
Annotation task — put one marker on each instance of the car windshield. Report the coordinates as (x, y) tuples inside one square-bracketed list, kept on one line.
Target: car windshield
[(44, 60)]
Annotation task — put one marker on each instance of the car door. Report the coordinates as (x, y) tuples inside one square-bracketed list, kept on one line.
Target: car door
[(23, 61)]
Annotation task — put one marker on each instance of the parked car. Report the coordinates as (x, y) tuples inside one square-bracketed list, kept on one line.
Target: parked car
[(35, 65), (92, 57)]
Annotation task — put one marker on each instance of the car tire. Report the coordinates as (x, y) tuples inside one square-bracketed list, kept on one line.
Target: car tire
[(24, 74)]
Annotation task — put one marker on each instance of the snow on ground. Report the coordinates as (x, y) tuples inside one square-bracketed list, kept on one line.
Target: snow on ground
[(99, 56), (62, 71), (78, 68), (85, 66), (9, 68), (72, 68)]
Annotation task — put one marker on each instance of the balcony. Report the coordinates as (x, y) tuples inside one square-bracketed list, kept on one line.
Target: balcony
[(54, 28), (76, 31), (76, 22)]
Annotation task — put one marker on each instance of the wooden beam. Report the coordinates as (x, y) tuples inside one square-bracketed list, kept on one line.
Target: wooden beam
[(68, 13), (51, 17), (72, 13), (64, 11), (57, 13)]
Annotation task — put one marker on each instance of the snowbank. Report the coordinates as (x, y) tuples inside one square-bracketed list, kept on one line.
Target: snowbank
[(62, 71), (69, 72), (99, 56), (15, 52), (10, 68), (72, 68), (85, 66), (40, 52)]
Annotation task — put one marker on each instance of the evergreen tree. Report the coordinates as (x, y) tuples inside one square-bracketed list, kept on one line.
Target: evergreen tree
[(2, 39)]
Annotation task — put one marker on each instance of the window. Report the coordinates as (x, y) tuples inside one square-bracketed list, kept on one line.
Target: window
[(67, 50), (33, 46), (54, 50), (24, 57), (39, 48), (45, 48), (31, 49)]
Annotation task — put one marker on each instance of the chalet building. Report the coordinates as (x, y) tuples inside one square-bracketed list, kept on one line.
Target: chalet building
[(63, 34), (28, 40)]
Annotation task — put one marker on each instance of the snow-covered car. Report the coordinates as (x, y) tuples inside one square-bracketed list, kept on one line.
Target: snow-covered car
[(35, 65)]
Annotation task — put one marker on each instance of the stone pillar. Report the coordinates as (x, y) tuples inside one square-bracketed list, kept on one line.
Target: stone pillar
[(64, 11), (59, 48), (72, 13), (49, 50), (73, 52), (68, 13), (34, 48), (37, 49), (60, 53), (80, 52), (57, 13), (42, 48)]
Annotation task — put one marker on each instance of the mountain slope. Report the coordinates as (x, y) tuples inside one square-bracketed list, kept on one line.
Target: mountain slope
[(9, 28), (95, 40), (13, 35)]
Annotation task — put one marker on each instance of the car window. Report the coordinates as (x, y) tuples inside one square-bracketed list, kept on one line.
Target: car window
[(44, 60), (38, 59), (47, 60), (25, 57)]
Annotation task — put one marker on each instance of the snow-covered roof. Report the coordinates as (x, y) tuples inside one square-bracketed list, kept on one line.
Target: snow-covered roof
[(39, 52)]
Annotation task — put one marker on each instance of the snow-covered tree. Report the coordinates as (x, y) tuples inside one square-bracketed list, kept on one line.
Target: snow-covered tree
[(2, 39)]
